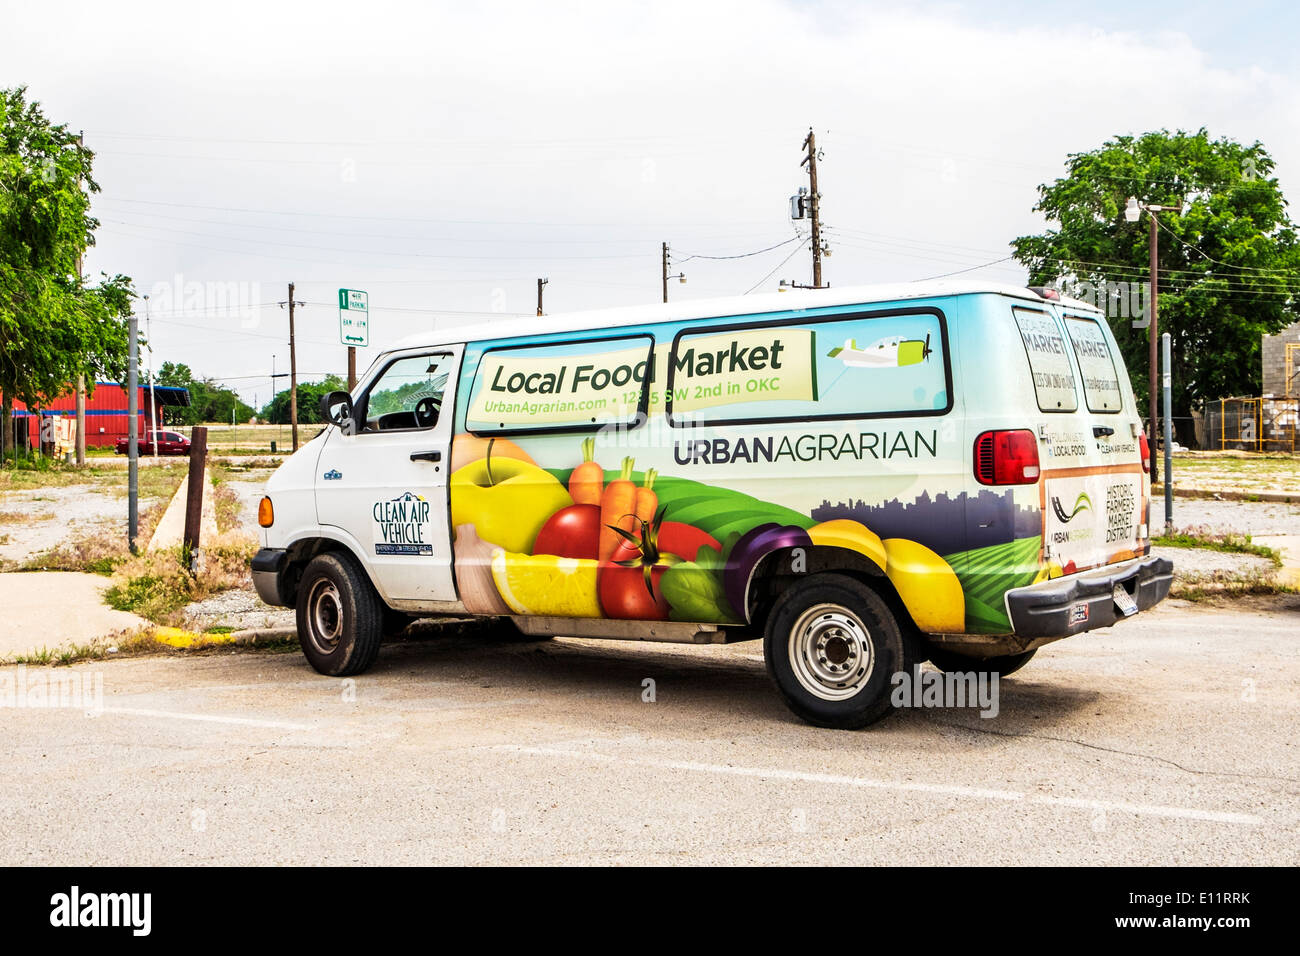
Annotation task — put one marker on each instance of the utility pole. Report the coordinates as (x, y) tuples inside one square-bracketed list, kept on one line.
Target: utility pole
[(1132, 211), (153, 404), (814, 202), (293, 371), (132, 431), (665, 271), (540, 283)]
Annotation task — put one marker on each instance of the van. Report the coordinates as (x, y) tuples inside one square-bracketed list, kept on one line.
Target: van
[(864, 479)]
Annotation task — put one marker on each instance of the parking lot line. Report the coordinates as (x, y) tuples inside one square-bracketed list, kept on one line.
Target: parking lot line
[(208, 718), (900, 786)]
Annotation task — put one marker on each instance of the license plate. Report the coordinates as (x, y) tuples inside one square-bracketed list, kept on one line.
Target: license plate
[(1124, 601)]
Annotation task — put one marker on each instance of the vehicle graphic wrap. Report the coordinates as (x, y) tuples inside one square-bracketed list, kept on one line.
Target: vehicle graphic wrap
[(646, 473)]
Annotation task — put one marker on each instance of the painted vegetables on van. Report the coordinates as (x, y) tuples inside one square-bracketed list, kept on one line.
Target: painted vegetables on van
[(647, 474)]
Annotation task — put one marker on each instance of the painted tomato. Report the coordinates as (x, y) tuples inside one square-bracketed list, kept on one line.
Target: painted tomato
[(685, 540), (632, 593), (572, 532)]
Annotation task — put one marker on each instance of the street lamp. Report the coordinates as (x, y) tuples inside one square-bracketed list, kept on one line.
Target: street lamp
[(1132, 211)]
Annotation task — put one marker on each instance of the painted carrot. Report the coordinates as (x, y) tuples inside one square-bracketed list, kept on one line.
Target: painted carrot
[(617, 508), (588, 479), (647, 502)]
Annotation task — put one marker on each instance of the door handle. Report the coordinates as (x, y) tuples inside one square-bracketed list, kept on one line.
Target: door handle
[(1099, 431), (426, 456)]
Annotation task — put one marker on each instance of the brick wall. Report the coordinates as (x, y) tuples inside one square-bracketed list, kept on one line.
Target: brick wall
[(1274, 356)]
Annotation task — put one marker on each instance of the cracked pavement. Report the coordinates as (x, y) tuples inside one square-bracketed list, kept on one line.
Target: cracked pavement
[(1170, 739)]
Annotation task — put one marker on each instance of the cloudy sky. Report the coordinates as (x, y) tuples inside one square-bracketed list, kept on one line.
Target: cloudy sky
[(443, 156)]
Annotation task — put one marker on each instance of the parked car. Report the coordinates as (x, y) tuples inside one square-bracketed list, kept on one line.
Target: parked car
[(865, 479), (169, 443)]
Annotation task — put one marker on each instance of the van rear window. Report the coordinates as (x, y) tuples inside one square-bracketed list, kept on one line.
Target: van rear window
[(1100, 381), (1049, 361), (865, 365)]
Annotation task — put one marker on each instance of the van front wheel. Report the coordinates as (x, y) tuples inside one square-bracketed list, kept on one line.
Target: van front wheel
[(340, 617), (831, 645)]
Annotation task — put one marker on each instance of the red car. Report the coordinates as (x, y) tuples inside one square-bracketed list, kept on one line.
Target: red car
[(169, 443)]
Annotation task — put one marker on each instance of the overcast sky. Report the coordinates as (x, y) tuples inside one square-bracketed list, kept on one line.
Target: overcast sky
[(443, 156)]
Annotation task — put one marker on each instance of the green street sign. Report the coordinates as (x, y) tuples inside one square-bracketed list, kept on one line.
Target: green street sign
[(354, 317)]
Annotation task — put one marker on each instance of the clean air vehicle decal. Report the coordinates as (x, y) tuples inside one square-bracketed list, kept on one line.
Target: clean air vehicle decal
[(402, 525)]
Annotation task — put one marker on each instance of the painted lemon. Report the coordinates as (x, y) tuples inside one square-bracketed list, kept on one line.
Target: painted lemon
[(854, 535), (546, 584), (928, 586), (506, 500)]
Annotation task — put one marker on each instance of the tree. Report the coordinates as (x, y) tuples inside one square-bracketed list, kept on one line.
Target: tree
[(1229, 265), (53, 326), (210, 401), (309, 395)]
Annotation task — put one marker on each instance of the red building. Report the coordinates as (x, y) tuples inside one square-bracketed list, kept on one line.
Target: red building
[(106, 413)]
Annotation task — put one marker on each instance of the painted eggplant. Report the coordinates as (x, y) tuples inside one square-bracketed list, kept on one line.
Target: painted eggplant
[(749, 550)]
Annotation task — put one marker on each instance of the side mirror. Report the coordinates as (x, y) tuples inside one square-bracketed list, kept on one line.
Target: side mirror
[(336, 408)]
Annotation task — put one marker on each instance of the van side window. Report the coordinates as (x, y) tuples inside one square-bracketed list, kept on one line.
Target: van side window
[(1100, 381), (864, 365), (407, 394), (1049, 361), (561, 386)]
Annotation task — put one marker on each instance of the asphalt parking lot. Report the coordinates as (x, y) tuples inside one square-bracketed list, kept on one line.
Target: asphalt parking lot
[(1171, 739)]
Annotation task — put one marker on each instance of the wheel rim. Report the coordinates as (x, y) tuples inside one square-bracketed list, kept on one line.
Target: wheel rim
[(324, 616), (831, 652)]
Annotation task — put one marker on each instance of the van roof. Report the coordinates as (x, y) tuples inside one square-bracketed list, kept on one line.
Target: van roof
[(793, 300)]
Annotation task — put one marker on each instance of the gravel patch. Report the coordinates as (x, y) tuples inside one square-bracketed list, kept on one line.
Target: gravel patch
[(1198, 562), (55, 515), (239, 608), (1243, 517)]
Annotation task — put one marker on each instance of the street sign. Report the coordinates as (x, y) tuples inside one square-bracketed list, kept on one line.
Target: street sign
[(354, 317)]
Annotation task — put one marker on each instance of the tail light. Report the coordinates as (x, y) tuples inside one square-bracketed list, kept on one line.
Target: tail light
[(1146, 452), (1007, 458)]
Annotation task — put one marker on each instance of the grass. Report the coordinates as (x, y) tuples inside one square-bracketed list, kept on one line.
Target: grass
[(1230, 542), (158, 586), (13, 517), (1218, 586)]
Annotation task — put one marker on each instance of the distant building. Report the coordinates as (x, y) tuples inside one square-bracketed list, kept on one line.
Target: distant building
[(1276, 365), (106, 413)]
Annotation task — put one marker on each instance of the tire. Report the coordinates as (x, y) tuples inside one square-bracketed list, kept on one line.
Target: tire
[(838, 615), (948, 662), (340, 617)]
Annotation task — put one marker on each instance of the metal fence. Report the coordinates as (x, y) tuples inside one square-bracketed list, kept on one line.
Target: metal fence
[(1253, 424)]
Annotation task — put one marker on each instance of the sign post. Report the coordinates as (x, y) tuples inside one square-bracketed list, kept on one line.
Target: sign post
[(354, 327)]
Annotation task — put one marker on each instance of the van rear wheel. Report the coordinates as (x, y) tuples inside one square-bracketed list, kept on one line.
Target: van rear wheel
[(951, 663), (340, 617), (831, 645)]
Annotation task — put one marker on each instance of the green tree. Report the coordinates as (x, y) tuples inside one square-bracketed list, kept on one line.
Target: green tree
[(210, 401), (53, 326), (1229, 265), (309, 395)]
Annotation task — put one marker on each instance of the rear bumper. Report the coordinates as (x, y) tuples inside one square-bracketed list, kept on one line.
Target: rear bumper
[(1082, 602), (268, 575)]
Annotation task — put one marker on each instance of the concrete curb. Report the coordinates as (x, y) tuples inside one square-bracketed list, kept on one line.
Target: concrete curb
[(1158, 491)]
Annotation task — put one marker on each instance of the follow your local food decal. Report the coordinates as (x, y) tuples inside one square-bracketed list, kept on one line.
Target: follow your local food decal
[(557, 511)]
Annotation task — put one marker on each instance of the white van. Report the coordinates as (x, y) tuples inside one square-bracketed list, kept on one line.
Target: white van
[(863, 478)]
